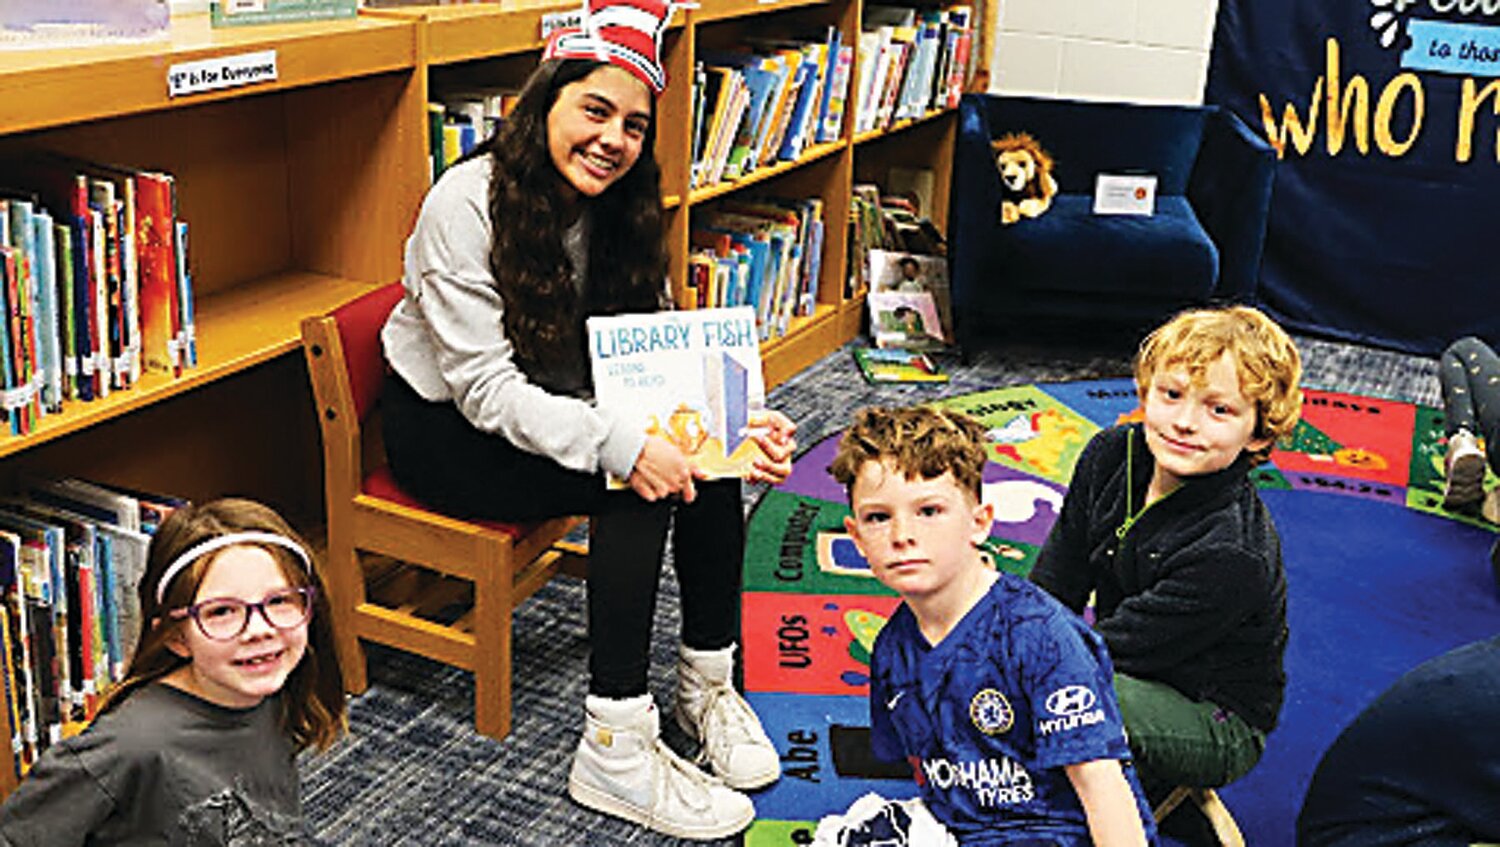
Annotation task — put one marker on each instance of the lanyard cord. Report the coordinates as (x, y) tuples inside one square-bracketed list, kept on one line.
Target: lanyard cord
[(1130, 518)]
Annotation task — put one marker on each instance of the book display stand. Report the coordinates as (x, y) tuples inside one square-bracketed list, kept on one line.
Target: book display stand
[(301, 187)]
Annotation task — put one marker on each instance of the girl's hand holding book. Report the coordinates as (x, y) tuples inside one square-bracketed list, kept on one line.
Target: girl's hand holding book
[(775, 436), (661, 470)]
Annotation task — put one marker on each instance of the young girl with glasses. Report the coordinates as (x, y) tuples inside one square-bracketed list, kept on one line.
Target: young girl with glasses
[(235, 672)]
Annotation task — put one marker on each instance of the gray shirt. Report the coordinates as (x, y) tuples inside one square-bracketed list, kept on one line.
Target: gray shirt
[(446, 338), (164, 767)]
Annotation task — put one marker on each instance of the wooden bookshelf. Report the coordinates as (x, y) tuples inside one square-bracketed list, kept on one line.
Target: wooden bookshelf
[(298, 193)]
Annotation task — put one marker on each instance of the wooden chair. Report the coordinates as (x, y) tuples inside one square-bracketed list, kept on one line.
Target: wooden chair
[(424, 564), (1207, 800)]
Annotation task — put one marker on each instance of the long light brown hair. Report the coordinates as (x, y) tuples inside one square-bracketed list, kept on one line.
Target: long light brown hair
[(627, 265)]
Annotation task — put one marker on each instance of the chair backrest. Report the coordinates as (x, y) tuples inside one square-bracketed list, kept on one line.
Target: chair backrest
[(346, 368), (359, 322)]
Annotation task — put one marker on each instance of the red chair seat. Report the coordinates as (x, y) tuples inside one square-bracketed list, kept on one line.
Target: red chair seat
[(380, 483)]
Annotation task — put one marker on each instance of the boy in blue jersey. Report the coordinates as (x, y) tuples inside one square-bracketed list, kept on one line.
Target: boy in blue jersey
[(998, 695)]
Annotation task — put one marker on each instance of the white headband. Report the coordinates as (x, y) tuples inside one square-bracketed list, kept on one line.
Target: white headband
[(197, 551)]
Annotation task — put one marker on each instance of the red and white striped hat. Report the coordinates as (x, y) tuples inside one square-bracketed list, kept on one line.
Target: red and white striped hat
[(626, 33)]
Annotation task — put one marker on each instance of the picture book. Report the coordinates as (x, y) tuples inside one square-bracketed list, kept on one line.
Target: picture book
[(692, 377), (892, 270), (156, 240), (242, 12), (906, 319), (897, 365), (33, 24)]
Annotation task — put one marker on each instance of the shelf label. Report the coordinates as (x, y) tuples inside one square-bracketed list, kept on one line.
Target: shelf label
[(553, 21), (221, 72)]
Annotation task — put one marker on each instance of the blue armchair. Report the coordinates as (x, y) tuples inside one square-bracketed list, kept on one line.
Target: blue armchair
[(1070, 266)]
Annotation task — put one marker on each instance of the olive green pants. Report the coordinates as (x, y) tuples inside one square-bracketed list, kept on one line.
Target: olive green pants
[(1177, 741)]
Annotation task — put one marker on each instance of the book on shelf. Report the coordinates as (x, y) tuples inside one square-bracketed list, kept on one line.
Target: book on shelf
[(829, 59), (767, 103), (187, 334), (37, 24), (833, 117), (896, 364), (156, 239), (773, 249), (906, 319), (909, 62), (71, 562), (95, 283), (250, 12), (900, 271), (692, 377)]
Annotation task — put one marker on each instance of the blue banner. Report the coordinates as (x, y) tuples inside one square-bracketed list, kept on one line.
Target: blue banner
[(1385, 115)]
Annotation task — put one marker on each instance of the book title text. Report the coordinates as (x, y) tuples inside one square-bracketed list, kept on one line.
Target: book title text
[(635, 340)]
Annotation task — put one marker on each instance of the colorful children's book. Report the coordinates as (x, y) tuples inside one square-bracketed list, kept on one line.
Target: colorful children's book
[(242, 12), (906, 319), (692, 377), (157, 254), (33, 24), (892, 270), (896, 365)]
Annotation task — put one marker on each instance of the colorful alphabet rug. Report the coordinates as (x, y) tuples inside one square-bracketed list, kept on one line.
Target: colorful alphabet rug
[(1379, 577)]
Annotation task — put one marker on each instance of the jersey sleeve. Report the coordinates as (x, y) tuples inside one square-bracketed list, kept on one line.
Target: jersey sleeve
[(58, 804), (1068, 683)]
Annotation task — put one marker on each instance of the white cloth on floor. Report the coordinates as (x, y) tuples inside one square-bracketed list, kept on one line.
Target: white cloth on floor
[(873, 821)]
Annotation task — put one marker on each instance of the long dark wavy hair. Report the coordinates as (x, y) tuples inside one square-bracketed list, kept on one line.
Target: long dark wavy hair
[(312, 700), (627, 264)]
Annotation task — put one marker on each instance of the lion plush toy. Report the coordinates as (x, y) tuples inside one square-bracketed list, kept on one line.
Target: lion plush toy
[(1026, 183)]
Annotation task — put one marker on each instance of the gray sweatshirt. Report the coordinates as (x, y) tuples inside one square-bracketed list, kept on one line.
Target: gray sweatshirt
[(447, 340), (164, 767)]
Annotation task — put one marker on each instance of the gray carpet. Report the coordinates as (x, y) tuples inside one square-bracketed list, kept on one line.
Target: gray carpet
[(413, 771)]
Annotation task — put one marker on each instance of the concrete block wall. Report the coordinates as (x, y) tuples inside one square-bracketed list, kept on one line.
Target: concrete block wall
[(1142, 51)]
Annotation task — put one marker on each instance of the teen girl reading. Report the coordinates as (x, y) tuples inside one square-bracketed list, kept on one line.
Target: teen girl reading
[(488, 410), (234, 674)]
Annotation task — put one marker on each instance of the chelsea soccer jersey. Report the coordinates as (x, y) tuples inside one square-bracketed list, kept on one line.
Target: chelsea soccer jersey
[(990, 716)]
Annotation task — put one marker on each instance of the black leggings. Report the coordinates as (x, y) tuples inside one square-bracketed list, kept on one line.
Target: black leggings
[(441, 459), (1469, 373)]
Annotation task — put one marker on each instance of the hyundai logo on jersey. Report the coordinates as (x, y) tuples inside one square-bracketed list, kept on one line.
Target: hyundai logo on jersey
[(1074, 707)]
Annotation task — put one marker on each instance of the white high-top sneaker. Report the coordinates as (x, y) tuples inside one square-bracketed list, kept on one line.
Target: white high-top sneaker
[(622, 768), (710, 710)]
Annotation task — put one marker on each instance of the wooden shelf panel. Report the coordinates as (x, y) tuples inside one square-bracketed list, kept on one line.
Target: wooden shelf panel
[(807, 339), (236, 330), (718, 10), (43, 88), (479, 30), (899, 126), (460, 33), (810, 155)]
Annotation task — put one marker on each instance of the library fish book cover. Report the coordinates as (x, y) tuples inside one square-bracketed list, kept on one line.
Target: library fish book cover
[(692, 376)]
